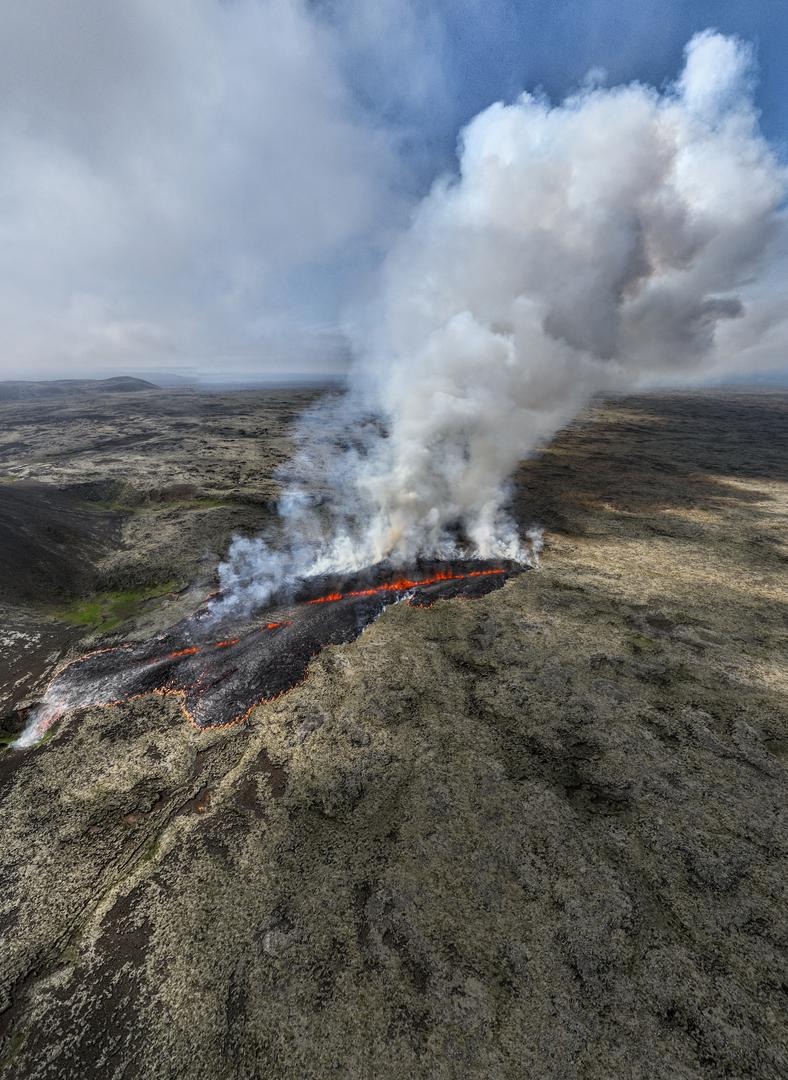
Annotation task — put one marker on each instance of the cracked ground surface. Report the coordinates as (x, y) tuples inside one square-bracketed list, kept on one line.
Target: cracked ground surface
[(540, 835)]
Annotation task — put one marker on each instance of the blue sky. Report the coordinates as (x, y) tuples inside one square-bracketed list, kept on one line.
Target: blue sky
[(538, 42), (209, 183), (485, 51)]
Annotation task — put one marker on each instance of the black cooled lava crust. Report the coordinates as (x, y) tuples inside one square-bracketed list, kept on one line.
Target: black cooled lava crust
[(222, 671)]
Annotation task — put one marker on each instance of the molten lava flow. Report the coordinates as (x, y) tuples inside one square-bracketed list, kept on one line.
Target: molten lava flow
[(405, 585), (219, 683)]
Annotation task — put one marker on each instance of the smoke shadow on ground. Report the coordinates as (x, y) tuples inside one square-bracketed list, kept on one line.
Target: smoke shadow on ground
[(49, 543), (672, 466)]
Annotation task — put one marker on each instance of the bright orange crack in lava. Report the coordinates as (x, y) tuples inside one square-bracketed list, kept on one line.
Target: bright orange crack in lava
[(404, 583), (192, 650)]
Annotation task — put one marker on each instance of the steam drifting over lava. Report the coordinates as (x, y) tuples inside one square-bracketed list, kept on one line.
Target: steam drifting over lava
[(603, 243)]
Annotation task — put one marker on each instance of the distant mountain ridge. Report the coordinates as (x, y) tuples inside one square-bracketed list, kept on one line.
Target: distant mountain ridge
[(20, 390)]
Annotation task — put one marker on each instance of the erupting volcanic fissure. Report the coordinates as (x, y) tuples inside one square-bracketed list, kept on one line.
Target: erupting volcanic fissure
[(219, 682), (622, 238)]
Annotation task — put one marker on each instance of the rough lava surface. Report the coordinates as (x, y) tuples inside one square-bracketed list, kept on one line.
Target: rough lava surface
[(220, 681), (537, 835)]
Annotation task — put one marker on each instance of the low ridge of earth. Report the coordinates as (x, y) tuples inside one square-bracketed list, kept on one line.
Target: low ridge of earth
[(539, 834), (21, 390)]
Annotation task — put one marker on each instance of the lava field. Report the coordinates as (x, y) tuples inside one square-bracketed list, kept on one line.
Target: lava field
[(223, 670)]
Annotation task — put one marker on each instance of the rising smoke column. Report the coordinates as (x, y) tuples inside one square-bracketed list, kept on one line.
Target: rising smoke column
[(585, 247), (595, 245)]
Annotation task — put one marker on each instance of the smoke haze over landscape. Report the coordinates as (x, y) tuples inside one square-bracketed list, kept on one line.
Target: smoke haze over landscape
[(602, 244), (268, 188), (393, 539)]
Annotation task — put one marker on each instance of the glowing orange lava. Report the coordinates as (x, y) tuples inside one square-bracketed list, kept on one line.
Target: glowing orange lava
[(157, 674), (404, 584), (183, 652)]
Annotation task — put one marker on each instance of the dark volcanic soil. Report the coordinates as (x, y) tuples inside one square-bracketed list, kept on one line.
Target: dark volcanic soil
[(540, 835), (49, 543)]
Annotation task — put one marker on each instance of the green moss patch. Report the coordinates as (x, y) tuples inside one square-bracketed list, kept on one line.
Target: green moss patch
[(107, 610)]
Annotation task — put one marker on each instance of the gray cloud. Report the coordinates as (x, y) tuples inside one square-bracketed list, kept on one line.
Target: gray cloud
[(202, 186), (172, 179)]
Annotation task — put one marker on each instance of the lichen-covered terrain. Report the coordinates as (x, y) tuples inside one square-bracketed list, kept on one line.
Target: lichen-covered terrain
[(539, 835)]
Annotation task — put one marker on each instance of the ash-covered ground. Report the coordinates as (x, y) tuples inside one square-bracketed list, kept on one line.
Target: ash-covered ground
[(540, 834)]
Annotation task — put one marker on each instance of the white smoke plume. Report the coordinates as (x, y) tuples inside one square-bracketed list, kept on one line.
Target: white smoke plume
[(39, 721), (595, 245)]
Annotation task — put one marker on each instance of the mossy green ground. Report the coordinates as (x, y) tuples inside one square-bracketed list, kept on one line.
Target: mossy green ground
[(108, 610)]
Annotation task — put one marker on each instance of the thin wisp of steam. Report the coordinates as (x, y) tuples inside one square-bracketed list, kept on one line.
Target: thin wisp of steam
[(39, 721), (592, 246)]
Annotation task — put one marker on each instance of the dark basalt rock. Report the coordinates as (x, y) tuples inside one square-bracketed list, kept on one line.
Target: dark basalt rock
[(223, 669)]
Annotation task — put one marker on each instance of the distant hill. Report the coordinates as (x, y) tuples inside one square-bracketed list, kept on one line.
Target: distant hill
[(29, 391)]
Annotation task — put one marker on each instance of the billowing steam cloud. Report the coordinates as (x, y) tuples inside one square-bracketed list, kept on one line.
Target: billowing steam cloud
[(595, 245)]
